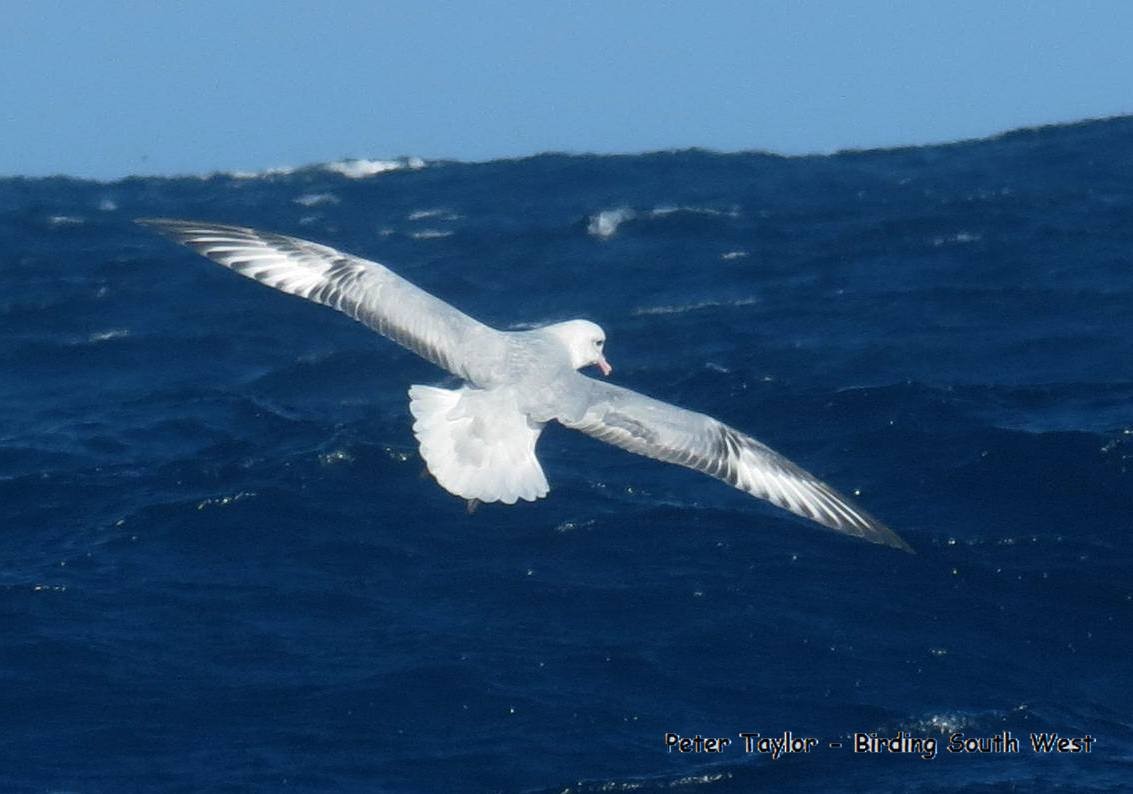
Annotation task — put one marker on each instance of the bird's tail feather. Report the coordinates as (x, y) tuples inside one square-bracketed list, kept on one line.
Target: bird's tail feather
[(477, 446)]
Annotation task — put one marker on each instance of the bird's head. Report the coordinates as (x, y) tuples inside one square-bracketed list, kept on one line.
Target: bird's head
[(584, 342)]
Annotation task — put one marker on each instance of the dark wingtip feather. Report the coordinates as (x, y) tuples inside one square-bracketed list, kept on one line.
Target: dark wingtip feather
[(872, 530), (887, 537)]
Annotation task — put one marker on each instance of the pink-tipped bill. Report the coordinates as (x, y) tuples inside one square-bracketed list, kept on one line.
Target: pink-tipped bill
[(604, 365)]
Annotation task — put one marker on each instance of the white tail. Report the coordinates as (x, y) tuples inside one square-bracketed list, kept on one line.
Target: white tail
[(478, 444)]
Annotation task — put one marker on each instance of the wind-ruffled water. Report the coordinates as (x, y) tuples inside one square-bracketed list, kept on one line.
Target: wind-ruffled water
[(222, 569)]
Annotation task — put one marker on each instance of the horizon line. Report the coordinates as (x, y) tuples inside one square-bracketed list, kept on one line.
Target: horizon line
[(366, 167)]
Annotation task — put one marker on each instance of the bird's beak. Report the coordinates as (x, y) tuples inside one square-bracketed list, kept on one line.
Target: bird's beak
[(604, 365)]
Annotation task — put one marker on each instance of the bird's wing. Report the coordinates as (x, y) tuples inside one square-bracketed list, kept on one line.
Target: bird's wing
[(364, 290), (659, 430)]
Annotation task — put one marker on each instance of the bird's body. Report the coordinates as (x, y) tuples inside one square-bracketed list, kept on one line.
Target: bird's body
[(479, 440)]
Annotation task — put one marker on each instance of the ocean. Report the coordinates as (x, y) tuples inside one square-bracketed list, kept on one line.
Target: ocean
[(222, 567)]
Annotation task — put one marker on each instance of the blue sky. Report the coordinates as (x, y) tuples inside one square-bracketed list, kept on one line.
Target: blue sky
[(105, 89)]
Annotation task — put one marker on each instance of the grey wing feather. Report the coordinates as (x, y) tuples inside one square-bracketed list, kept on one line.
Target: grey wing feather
[(665, 432), (364, 290)]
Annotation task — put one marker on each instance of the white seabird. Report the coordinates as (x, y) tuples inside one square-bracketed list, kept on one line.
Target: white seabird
[(478, 441)]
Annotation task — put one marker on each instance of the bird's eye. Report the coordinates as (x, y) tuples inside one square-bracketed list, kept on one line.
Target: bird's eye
[(599, 342)]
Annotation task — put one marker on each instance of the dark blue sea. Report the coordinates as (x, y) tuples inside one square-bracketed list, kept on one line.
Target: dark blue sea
[(221, 568)]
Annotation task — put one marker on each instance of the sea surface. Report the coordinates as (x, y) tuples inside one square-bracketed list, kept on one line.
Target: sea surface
[(222, 568)]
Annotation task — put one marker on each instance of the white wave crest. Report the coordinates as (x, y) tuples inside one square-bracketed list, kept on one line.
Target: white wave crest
[(691, 307), (360, 169), (605, 224), (279, 170), (439, 214), (959, 238), (113, 333), (661, 212), (729, 255), (431, 234), (316, 199)]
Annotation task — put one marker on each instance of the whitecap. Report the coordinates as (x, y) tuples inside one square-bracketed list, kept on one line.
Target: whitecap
[(65, 220), (430, 234), (605, 224), (360, 169), (691, 307), (107, 205), (959, 238), (57, 588), (316, 199), (669, 209), (112, 333), (440, 214), (737, 254), (279, 170)]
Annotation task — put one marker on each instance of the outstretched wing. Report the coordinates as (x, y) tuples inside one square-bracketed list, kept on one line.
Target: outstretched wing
[(659, 430), (364, 290)]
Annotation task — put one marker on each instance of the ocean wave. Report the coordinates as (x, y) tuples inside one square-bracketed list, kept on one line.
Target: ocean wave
[(951, 721), (605, 224), (351, 168), (55, 344), (1051, 131), (682, 308), (224, 501), (316, 199), (977, 401), (958, 238), (361, 169), (652, 783), (661, 212), (112, 333), (438, 214), (279, 170), (66, 220), (336, 456)]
